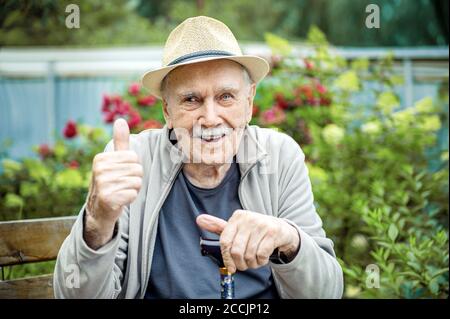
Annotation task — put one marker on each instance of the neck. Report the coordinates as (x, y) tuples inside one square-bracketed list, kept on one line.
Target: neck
[(205, 176)]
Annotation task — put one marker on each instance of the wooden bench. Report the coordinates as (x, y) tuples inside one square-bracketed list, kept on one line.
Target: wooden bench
[(28, 241)]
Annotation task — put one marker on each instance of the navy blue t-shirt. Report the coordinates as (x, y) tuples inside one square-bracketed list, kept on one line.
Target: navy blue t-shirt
[(178, 268)]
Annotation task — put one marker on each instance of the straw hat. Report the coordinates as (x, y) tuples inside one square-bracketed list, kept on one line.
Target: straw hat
[(200, 39)]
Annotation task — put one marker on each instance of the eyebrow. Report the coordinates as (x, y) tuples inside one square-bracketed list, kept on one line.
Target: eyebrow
[(190, 93)]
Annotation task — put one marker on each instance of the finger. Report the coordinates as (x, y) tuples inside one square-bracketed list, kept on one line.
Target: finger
[(226, 241), (125, 196), (265, 249), (116, 157), (120, 169), (121, 135), (238, 248), (126, 182), (252, 247), (211, 223)]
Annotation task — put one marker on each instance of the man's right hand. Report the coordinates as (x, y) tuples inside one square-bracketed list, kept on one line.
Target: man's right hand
[(116, 181)]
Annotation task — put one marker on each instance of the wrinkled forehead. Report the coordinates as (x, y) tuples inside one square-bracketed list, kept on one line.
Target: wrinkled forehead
[(209, 73)]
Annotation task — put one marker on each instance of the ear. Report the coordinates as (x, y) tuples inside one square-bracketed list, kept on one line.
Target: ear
[(166, 113), (251, 97)]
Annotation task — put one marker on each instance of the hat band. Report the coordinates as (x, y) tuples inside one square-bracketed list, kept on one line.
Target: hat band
[(199, 55)]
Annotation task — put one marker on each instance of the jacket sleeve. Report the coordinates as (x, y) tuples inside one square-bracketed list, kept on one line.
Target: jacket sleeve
[(81, 272), (314, 272)]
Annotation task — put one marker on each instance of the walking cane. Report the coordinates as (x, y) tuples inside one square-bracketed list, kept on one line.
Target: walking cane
[(211, 248)]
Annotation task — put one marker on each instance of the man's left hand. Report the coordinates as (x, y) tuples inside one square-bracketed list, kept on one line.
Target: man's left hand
[(248, 239)]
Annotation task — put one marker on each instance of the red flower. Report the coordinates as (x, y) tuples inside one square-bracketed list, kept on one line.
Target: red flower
[(73, 164), (281, 101), (306, 91), (134, 88), (134, 119), (321, 89), (150, 124), (106, 103), (308, 64), (45, 151), (325, 101), (70, 130), (109, 117), (123, 108), (255, 110), (147, 100), (116, 99)]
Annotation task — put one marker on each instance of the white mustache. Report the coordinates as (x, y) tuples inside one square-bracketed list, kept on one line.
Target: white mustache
[(208, 133)]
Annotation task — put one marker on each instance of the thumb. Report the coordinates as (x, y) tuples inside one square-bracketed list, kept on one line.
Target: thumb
[(121, 135), (211, 223)]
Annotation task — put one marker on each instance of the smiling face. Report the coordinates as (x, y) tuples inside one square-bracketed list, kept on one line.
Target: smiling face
[(208, 105)]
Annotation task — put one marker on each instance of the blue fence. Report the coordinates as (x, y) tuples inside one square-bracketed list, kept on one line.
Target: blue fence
[(41, 89), (28, 118)]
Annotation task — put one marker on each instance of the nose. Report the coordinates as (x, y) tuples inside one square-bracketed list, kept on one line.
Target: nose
[(210, 116)]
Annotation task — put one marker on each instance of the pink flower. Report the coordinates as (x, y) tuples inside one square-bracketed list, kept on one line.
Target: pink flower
[(272, 116), (269, 116), (109, 117), (123, 108), (321, 89), (116, 99), (134, 119), (134, 88), (308, 64), (147, 100), (70, 130)]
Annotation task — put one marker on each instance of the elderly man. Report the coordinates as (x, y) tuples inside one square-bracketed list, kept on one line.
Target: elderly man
[(207, 172)]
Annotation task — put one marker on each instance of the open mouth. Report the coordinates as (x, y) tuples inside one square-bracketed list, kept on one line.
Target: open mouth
[(212, 139)]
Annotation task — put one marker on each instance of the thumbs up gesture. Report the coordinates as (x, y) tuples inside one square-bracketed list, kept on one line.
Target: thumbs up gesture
[(116, 181)]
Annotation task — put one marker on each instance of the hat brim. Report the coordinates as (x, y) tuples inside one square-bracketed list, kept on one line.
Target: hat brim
[(256, 66)]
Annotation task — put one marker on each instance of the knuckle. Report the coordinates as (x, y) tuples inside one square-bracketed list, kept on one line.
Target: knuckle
[(262, 256), (272, 230), (249, 258), (236, 253), (242, 267), (225, 244), (133, 157)]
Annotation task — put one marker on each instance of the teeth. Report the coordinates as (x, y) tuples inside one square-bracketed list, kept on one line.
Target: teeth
[(213, 133)]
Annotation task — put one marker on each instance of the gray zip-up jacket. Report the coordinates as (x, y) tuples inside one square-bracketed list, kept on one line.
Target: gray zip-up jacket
[(274, 181)]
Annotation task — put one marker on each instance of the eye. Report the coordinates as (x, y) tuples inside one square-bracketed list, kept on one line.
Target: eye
[(226, 96), (190, 99)]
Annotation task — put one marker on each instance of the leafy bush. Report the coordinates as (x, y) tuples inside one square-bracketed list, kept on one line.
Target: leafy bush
[(55, 184), (368, 159)]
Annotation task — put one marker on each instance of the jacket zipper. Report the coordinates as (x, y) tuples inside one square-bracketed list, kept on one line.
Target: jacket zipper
[(145, 272)]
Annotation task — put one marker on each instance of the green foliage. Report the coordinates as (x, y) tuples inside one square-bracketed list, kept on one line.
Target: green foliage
[(54, 184), (128, 22), (368, 162), (102, 23)]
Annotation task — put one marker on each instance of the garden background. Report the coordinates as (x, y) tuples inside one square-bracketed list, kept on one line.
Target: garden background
[(369, 107)]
